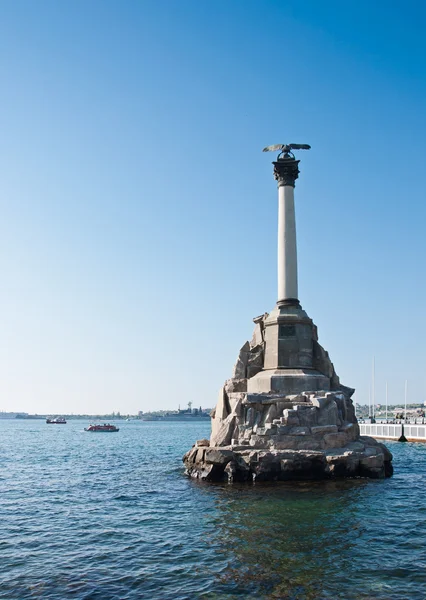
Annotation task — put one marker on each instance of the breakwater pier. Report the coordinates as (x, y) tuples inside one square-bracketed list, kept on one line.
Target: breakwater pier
[(400, 432)]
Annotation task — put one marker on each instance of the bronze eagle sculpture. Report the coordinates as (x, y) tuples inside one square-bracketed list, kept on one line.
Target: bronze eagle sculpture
[(286, 149)]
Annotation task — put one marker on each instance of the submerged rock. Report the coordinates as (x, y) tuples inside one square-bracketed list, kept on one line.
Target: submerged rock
[(232, 464)]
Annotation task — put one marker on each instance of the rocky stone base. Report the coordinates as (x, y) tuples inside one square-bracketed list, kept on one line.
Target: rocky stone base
[(362, 458), (284, 414)]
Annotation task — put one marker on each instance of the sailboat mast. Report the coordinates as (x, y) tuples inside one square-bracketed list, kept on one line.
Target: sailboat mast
[(405, 415), (369, 400), (386, 396)]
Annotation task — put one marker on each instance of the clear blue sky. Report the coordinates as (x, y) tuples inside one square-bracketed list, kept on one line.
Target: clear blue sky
[(138, 214)]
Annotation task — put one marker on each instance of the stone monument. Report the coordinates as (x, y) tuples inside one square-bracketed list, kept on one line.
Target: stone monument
[(284, 414)]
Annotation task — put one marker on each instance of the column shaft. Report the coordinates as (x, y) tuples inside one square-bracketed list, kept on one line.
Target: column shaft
[(287, 249)]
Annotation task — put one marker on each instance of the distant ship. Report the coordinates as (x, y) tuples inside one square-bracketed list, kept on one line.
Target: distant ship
[(56, 421), (188, 414)]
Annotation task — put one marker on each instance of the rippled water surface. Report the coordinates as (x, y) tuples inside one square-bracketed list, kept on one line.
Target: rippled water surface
[(111, 516)]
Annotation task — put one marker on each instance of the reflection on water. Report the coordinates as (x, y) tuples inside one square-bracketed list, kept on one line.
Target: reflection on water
[(288, 542)]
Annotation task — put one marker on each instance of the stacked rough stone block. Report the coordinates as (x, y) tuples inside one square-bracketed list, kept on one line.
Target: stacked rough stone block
[(280, 436)]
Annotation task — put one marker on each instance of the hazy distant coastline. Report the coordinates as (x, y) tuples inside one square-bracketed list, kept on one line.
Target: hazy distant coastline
[(177, 415), (191, 414)]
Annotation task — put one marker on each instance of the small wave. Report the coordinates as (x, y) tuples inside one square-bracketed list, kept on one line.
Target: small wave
[(124, 498)]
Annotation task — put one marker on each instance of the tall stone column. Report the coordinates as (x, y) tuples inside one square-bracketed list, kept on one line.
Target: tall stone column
[(288, 331), (286, 171)]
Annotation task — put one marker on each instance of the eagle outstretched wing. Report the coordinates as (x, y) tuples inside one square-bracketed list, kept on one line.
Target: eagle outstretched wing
[(274, 148), (300, 146)]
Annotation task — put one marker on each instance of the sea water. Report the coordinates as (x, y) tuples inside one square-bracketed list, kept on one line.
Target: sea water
[(111, 516)]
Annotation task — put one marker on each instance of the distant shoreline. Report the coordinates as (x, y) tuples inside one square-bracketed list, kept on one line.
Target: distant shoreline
[(171, 417)]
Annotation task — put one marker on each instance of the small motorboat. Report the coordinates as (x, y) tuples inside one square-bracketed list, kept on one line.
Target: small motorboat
[(104, 427), (56, 421)]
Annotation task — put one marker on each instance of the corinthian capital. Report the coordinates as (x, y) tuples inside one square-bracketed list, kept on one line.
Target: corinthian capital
[(286, 171)]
